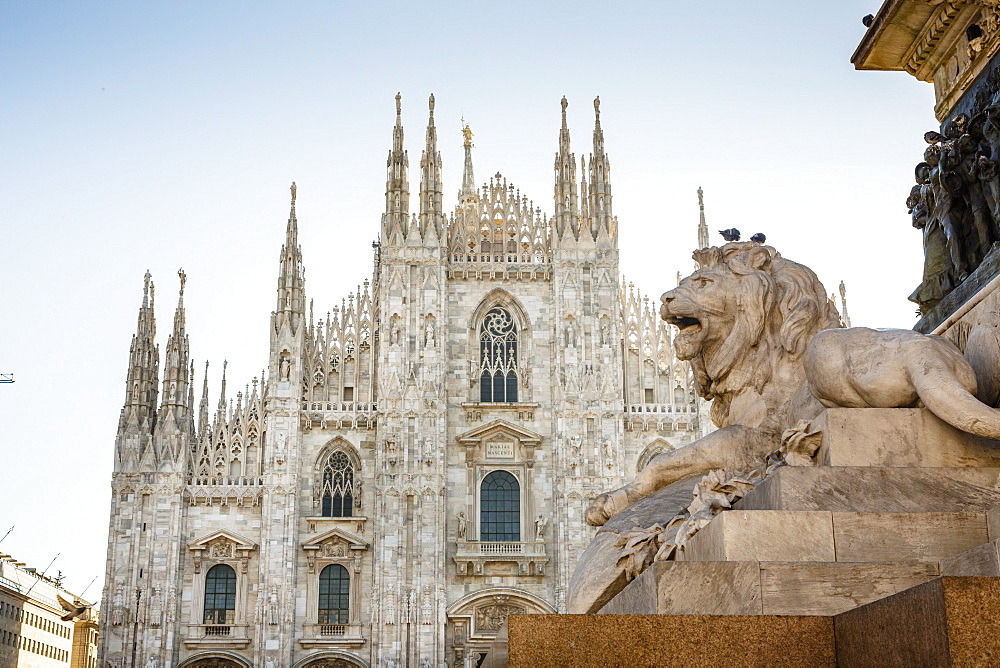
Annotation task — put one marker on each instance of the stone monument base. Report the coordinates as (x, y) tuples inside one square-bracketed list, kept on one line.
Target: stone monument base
[(948, 621)]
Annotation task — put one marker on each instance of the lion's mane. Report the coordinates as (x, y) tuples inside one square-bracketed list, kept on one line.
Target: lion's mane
[(777, 309)]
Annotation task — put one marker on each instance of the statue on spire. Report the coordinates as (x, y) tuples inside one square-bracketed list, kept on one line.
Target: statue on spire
[(183, 277), (597, 106), (399, 105), (430, 103), (294, 190), (467, 133)]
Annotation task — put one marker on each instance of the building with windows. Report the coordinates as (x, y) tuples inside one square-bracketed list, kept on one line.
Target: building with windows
[(415, 466), (41, 624)]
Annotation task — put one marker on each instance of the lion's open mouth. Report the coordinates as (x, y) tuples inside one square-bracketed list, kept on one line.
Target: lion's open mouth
[(683, 322)]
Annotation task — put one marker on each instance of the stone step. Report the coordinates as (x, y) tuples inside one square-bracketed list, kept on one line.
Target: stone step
[(898, 437), (763, 588), (823, 536), (947, 621), (877, 489), (641, 641)]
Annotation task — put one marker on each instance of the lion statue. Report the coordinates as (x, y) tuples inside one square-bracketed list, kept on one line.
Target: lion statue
[(768, 348)]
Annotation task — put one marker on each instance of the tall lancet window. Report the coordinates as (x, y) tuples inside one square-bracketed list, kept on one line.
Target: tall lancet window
[(338, 486), (498, 357)]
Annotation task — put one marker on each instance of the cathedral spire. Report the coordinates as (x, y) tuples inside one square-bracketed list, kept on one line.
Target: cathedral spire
[(468, 193), (220, 414), (431, 211), (291, 275), (600, 181), (703, 241), (173, 422), (203, 407), (566, 213), (176, 357), (397, 189), (139, 411)]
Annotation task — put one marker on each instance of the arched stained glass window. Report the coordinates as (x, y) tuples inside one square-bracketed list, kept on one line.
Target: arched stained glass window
[(500, 508), (338, 486), (498, 357), (334, 595), (220, 595)]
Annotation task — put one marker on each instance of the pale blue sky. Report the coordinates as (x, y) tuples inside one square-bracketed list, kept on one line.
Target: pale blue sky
[(143, 135)]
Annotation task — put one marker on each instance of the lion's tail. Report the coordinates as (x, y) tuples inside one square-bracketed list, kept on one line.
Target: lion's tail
[(945, 395)]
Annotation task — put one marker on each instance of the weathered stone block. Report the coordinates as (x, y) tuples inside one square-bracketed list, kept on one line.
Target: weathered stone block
[(993, 522), (832, 588), (602, 641), (690, 588), (983, 560), (898, 437), (763, 535), (924, 537), (877, 489)]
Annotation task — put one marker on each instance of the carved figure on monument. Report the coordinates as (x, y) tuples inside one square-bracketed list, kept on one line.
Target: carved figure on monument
[(989, 154), (943, 211), (118, 607), (155, 607), (426, 607), (492, 617), (284, 367), (571, 334), (962, 181), (772, 367), (463, 525), (222, 548), (273, 613), (937, 280), (390, 604), (540, 523), (429, 334)]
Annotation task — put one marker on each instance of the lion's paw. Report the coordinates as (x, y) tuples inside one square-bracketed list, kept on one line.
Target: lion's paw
[(603, 508)]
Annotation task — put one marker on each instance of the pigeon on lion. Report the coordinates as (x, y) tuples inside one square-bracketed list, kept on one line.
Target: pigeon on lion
[(767, 347)]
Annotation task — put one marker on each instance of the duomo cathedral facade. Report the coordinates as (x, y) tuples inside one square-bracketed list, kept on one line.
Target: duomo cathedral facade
[(414, 467)]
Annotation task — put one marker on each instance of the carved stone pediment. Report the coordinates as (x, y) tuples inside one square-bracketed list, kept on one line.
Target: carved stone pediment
[(335, 545), (492, 616), (222, 545), (498, 440)]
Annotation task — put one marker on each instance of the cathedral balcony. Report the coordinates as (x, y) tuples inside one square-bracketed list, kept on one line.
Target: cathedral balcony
[(474, 409), (660, 408), (505, 266), (225, 481), (217, 636), (338, 414), (319, 636), (501, 558), (339, 406)]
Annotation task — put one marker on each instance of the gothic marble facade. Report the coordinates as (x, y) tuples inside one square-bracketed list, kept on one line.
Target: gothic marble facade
[(415, 464)]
